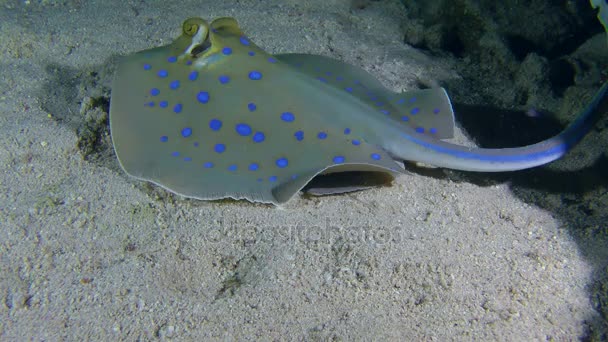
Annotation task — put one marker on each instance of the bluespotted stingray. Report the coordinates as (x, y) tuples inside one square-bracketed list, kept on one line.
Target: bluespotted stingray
[(213, 116)]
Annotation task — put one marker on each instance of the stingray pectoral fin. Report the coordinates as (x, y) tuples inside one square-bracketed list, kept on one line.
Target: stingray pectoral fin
[(417, 147), (285, 191), (335, 72), (130, 113), (364, 158), (427, 111)]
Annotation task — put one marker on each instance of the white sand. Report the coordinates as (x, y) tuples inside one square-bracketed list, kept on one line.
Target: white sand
[(88, 253)]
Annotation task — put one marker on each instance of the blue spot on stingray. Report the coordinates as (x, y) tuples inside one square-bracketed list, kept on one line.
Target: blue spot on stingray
[(405, 118), (287, 117), (419, 129), (412, 100), (208, 165), (260, 179), (272, 60), (272, 178), (149, 104), (202, 97), (255, 75), (339, 159), (356, 142), (188, 62), (379, 104), (252, 107), (433, 130), (299, 135), (324, 80), (375, 156), (328, 73), (258, 137), (227, 51), (162, 73), (224, 79), (163, 104), (282, 162), (175, 154), (147, 66), (253, 167), (251, 53), (174, 84), (244, 40), (172, 59), (294, 176), (347, 131), (436, 111), (414, 110), (187, 159), (401, 101), (219, 148), (243, 129), (322, 135), (164, 138), (154, 91), (193, 75), (215, 124), (385, 112), (232, 167), (195, 144), (178, 108), (186, 132), (349, 89)]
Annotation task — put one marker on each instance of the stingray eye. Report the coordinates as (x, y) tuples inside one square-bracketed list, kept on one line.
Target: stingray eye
[(192, 25), (226, 25), (196, 29)]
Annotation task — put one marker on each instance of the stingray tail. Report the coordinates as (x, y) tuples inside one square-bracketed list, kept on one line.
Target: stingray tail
[(458, 157)]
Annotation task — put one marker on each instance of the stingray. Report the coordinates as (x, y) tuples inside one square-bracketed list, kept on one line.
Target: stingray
[(214, 116)]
